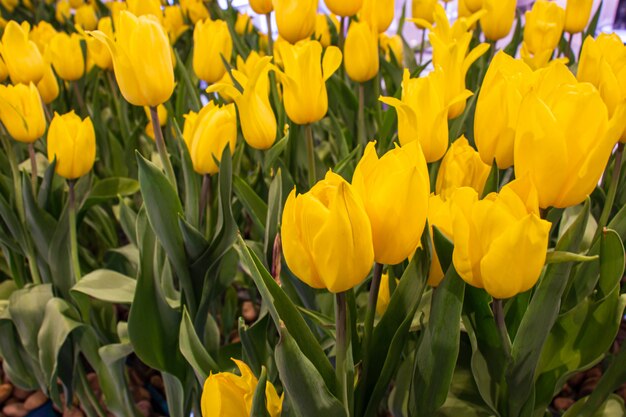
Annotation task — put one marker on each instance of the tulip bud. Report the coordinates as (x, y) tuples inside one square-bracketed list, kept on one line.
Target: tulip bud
[(473, 5), (145, 7), (384, 295), (174, 22), (344, 8), (577, 14), (498, 19), (75, 4), (228, 395), (461, 167), (423, 10), (422, 113), (392, 45), (97, 51), (378, 13), (208, 133), (62, 12), (397, 223), (499, 245), (503, 89), (327, 237), (322, 29), (295, 18), (10, 5), (22, 57), (195, 10), (66, 56), (258, 122), (439, 216), (72, 142), (261, 6), (544, 27), (141, 59), (41, 34), (48, 86), (361, 52), (116, 7), (21, 112), (211, 41), (86, 17), (243, 24), (304, 79)]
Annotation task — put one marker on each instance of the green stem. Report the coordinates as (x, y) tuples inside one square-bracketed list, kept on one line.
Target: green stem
[(270, 40), (340, 36), (362, 134), (73, 238), (205, 202), (341, 348), (117, 104), (160, 143), (308, 131), (33, 167), (610, 198), (79, 98), (87, 394), (423, 45), (498, 314), (16, 176), (371, 305)]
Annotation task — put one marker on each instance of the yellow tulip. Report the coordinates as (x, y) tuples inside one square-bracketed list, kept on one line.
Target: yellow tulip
[(162, 114), (22, 57), (378, 13), (174, 22), (243, 24), (392, 45), (208, 133), (4, 72), (116, 7), (304, 79), (544, 27), (394, 190), (21, 112), (228, 395), (423, 10), (498, 19), (66, 56), (505, 84), (62, 12), (211, 41), (326, 235), (473, 5), (577, 14), (344, 7), (75, 4), (361, 52), (563, 141), (422, 113), (439, 216), (41, 34), (86, 17), (261, 6), (499, 244), (322, 29), (141, 59), (145, 7), (461, 167), (258, 122), (48, 86), (195, 10), (295, 18), (10, 5), (384, 295), (72, 142), (97, 51)]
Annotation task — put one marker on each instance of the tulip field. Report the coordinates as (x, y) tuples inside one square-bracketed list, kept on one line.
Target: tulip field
[(305, 208)]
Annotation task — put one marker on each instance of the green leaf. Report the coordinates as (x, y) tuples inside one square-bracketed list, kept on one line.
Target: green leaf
[(273, 153), (274, 213), (559, 257), (18, 365), (108, 286), (254, 343), (255, 206), (28, 309), (259, 407), (191, 179), (611, 263), (612, 407), (192, 349), (302, 381), (111, 375), (110, 188), (493, 181), (593, 25)]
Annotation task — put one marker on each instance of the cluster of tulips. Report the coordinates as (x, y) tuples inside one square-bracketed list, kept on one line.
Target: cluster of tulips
[(472, 167)]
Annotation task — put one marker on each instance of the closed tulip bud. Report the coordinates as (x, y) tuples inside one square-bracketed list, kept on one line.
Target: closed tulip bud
[(422, 113), (392, 45), (66, 56), (304, 79), (498, 19), (577, 14), (322, 28), (86, 17), (544, 27), (461, 167), (22, 57), (295, 18), (174, 22), (563, 142), (327, 237), (258, 122), (21, 112), (378, 13), (145, 7), (48, 86), (344, 8), (261, 6), (439, 216), (210, 131), (62, 12), (243, 24), (211, 41), (473, 5), (195, 10), (116, 7), (384, 295), (228, 395), (142, 59), (361, 52), (97, 51), (505, 85), (423, 10), (72, 142), (499, 245), (397, 222), (41, 34)]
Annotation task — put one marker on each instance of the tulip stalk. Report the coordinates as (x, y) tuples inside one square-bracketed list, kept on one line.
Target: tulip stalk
[(341, 349), (610, 198), (422, 46), (308, 131), (270, 40), (33, 167), (498, 314), (205, 202), (160, 143), (79, 98), (371, 304), (341, 35), (361, 117), (73, 237)]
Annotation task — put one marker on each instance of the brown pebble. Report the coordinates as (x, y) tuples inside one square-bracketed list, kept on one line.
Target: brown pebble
[(157, 381), (563, 403), (589, 385), (145, 408), (567, 391), (92, 379), (622, 392), (35, 400), (21, 394), (248, 311), (593, 373), (73, 412), (576, 380), (15, 410), (5, 392)]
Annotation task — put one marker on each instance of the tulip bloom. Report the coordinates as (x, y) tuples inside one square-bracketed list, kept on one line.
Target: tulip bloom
[(384, 295), (48, 86), (499, 244), (461, 167), (361, 52), (211, 41), (258, 122), (97, 51), (22, 57), (344, 7), (72, 142), (174, 22), (261, 6), (243, 24), (439, 216), (378, 13), (397, 223), (141, 59), (473, 5), (392, 45), (86, 17), (228, 395), (327, 237), (544, 26), (62, 12), (563, 141), (423, 10), (322, 29), (21, 112), (145, 7), (41, 34), (505, 84), (304, 79), (498, 19), (422, 113), (577, 14), (195, 10), (66, 56), (295, 18), (208, 133)]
